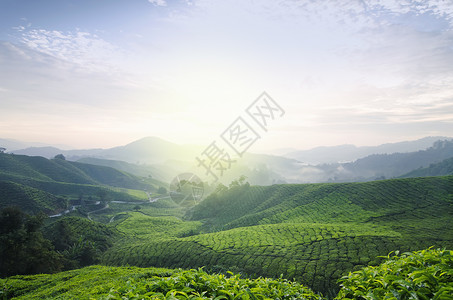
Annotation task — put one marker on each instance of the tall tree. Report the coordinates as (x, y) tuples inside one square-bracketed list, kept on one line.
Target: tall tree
[(23, 249)]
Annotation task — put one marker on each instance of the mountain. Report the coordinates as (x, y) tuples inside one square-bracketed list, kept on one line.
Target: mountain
[(442, 168), (163, 160), (392, 165), (11, 144), (346, 153), (151, 150), (158, 173), (376, 166), (50, 152)]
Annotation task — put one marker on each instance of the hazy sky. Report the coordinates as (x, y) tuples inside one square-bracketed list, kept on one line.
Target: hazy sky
[(106, 72)]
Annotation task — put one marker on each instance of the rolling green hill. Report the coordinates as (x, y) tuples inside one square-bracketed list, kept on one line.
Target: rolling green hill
[(31, 200), (60, 170), (314, 233), (377, 202), (39, 184)]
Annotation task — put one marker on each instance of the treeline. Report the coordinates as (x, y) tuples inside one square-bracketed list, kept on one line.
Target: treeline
[(28, 246)]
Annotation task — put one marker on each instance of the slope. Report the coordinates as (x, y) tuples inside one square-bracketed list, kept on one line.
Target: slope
[(314, 233), (31, 200), (442, 168), (153, 173), (54, 185), (60, 170)]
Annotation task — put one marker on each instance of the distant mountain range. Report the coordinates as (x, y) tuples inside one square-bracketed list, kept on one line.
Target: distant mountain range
[(163, 160), (156, 158), (11, 144), (384, 166), (149, 150), (349, 153)]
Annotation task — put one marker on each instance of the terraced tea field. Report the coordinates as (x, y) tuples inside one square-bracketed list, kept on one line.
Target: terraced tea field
[(425, 274), (314, 233)]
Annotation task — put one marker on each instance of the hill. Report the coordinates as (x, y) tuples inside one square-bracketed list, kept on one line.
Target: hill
[(12, 145), (343, 153), (314, 233), (157, 174), (60, 170), (38, 184), (31, 200), (442, 168), (150, 150), (379, 166), (163, 160)]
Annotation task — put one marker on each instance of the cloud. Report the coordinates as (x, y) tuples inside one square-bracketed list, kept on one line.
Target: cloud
[(83, 49), (158, 2), (356, 14)]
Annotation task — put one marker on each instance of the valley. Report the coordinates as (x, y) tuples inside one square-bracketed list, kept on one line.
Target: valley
[(312, 234)]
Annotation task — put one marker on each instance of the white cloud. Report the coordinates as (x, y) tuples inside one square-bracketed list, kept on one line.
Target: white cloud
[(85, 50), (355, 14), (350, 65), (158, 2)]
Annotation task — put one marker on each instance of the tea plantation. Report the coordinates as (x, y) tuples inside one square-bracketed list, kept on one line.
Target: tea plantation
[(313, 233), (426, 274), (308, 236)]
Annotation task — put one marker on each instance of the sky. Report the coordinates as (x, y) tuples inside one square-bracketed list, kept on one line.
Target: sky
[(104, 73)]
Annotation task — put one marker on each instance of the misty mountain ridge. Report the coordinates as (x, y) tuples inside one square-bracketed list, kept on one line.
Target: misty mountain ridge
[(148, 150), (350, 153), (162, 160), (151, 150), (12, 144)]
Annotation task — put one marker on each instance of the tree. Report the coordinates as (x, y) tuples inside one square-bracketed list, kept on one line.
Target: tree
[(2, 150), (23, 249), (239, 182), (137, 207), (60, 156)]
